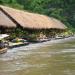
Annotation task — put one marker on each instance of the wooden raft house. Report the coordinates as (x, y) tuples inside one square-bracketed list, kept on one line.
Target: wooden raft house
[(12, 18)]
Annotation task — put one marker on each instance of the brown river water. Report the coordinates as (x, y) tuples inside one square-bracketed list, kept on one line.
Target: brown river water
[(48, 58)]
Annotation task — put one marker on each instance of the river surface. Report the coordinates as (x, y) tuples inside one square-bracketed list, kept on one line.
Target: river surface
[(49, 58)]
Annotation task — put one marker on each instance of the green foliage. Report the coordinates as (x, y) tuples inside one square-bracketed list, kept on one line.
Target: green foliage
[(63, 10)]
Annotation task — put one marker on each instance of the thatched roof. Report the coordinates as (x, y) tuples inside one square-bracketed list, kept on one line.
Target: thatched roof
[(31, 20), (5, 21)]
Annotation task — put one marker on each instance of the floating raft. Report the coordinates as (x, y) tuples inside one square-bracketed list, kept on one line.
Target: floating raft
[(13, 45)]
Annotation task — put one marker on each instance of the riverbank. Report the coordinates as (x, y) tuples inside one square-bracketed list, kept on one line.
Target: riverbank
[(43, 44)]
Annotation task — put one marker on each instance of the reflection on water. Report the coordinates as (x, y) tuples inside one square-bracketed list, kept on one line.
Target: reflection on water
[(37, 59)]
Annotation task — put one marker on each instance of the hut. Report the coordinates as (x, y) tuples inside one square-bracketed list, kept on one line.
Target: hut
[(5, 22), (10, 17)]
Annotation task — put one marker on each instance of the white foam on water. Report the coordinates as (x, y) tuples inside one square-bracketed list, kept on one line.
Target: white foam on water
[(19, 52), (68, 50), (24, 51)]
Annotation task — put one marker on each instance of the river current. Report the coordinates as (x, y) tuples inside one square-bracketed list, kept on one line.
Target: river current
[(48, 58)]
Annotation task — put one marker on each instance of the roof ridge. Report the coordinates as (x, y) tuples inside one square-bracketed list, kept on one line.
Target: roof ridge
[(8, 15)]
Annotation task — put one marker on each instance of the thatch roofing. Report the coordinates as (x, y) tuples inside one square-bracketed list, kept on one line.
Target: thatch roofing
[(31, 20), (5, 21)]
